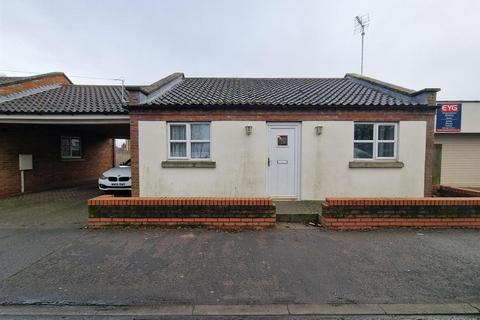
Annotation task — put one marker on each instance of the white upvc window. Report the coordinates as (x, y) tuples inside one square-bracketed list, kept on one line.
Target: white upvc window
[(189, 140), (71, 147), (375, 141)]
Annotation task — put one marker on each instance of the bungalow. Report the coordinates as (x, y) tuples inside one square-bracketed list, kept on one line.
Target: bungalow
[(289, 138)]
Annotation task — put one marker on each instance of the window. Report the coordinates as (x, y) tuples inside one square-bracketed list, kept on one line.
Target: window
[(71, 147), (189, 140), (375, 141), (282, 141)]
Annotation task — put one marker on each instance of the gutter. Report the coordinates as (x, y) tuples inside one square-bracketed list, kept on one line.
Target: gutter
[(65, 119)]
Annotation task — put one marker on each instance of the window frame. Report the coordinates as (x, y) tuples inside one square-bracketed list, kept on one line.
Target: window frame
[(376, 141), (70, 156), (188, 140)]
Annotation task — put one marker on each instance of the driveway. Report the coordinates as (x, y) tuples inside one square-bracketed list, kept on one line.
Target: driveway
[(55, 209), (46, 256)]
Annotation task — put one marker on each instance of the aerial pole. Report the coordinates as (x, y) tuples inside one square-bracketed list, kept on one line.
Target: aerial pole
[(361, 23)]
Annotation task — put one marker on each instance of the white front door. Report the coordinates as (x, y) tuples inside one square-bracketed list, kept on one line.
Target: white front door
[(283, 160)]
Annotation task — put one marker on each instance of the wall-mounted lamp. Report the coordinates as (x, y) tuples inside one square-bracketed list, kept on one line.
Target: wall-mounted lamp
[(248, 130), (318, 130)]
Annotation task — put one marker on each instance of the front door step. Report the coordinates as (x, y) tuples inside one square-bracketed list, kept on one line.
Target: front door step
[(298, 211)]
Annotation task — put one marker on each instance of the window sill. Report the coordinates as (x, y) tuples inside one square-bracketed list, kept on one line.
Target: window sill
[(72, 159), (188, 164), (376, 164)]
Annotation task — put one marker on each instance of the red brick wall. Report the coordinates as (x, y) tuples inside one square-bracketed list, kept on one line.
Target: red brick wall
[(32, 84), (340, 114), (211, 212), (49, 171), (134, 154), (375, 223), (368, 213)]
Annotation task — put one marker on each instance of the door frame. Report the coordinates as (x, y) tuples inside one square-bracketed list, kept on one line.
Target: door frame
[(297, 156)]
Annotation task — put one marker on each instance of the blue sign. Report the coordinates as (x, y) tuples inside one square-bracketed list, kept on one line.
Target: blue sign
[(449, 117)]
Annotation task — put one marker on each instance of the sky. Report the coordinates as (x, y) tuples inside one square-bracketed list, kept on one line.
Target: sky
[(415, 44)]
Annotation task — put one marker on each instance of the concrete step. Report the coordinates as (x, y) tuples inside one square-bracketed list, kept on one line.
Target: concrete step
[(298, 211)]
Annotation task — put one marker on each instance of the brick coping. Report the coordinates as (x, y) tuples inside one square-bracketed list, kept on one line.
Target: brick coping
[(429, 201), (110, 200)]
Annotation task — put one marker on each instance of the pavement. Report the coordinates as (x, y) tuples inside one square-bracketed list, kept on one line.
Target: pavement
[(48, 259), (277, 311)]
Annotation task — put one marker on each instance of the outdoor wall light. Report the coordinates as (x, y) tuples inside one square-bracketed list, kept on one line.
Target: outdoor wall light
[(248, 130), (318, 130)]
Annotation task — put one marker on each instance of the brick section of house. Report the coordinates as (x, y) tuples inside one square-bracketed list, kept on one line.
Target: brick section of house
[(328, 114), (447, 191), (33, 83), (210, 212), (134, 161), (49, 170), (369, 213)]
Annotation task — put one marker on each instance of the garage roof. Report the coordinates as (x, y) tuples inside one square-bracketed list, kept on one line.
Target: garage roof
[(84, 99)]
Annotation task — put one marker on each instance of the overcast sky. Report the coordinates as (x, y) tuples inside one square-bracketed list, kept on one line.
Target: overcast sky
[(415, 44)]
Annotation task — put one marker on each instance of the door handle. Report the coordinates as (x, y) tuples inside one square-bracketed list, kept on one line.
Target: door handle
[(268, 161)]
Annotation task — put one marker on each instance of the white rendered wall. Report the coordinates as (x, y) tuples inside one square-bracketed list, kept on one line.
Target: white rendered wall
[(240, 162), (325, 160)]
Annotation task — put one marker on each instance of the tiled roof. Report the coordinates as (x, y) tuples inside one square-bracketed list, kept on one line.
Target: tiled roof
[(88, 99), (348, 91)]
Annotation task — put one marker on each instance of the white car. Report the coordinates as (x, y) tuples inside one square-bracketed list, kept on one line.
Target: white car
[(117, 179)]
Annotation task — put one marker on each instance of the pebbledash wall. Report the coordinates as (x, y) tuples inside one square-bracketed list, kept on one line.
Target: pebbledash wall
[(49, 170), (241, 159)]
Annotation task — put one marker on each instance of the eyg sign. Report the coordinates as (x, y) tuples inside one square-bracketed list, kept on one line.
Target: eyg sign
[(449, 117)]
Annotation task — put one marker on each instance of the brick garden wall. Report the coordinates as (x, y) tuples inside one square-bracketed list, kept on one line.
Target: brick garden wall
[(49, 170), (364, 213), (218, 213), (340, 114)]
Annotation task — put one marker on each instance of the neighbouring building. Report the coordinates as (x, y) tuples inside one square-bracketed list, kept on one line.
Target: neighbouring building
[(59, 134), (290, 138), (457, 144)]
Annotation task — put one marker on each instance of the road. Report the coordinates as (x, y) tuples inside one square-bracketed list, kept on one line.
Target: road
[(47, 257)]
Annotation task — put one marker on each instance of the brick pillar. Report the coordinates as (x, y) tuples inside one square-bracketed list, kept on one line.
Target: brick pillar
[(134, 155), (429, 154)]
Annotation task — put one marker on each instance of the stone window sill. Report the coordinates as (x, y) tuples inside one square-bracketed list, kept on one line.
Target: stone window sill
[(188, 164), (72, 159), (376, 164)]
